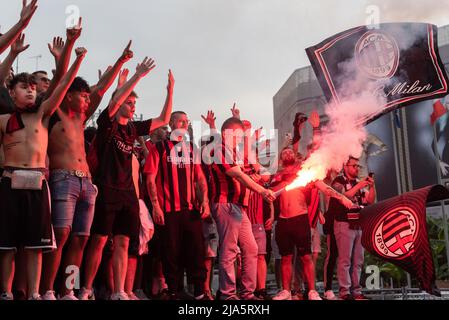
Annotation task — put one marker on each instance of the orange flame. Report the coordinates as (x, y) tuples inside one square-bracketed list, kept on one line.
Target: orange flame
[(305, 176)]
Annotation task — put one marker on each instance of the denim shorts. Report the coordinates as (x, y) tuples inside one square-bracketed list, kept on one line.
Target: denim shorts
[(73, 202)]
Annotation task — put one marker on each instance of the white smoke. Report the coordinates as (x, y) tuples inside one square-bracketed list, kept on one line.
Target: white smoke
[(429, 11), (345, 133)]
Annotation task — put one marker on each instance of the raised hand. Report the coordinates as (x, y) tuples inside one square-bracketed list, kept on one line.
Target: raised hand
[(145, 67), (18, 45), (235, 111), (122, 77), (101, 74), (75, 32), (57, 47), (287, 141), (80, 52), (171, 81), (27, 11), (314, 119), (127, 53), (209, 118)]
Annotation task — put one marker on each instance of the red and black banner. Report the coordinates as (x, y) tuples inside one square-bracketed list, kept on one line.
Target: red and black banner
[(398, 62), (396, 231)]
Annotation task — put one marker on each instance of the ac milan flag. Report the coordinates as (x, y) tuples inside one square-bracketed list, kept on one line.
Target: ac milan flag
[(397, 62), (396, 231)]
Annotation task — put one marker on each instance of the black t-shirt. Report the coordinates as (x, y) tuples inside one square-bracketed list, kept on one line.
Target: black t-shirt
[(6, 103), (115, 158), (336, 210)]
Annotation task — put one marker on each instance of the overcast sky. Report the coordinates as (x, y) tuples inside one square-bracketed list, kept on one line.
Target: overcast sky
[(220, 51)]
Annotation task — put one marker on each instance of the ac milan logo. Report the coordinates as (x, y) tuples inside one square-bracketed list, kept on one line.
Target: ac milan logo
[(396, 233), (377, 54)]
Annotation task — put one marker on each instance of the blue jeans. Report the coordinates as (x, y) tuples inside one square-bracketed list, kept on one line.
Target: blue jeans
[(350, 258), (234, 228), (72, 202)]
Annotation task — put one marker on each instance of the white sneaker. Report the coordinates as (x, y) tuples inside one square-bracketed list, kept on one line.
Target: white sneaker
[(69, 296), (132, 296), (6, 296), (283, 295), (86, 294), (329, 295), (119, 296), (49, 296), (35, 296), (313, 295), (141, 295)]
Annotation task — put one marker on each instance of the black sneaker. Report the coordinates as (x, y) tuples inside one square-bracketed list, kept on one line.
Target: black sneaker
[(163, 295), (20, 295), (173, 296), (346, 297), (262, 294), (361, 297), (297, 295), (182, 295)]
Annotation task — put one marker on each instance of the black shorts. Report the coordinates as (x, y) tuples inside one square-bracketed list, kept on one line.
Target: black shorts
[(294, 232), (25, 218), (116, 213)]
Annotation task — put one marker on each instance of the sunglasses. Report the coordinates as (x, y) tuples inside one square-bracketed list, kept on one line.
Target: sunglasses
[(355, 166)]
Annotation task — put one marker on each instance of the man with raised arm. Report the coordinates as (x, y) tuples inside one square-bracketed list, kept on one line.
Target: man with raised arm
[(293, 228), (11, 35), (25, 219), (73, 193), (117, 206)]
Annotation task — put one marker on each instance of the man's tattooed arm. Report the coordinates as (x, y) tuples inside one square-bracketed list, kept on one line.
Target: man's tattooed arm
[(330, 192)]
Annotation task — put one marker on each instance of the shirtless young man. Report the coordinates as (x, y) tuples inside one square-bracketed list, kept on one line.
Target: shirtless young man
[(293, 228), (73, 193), (25, 219)]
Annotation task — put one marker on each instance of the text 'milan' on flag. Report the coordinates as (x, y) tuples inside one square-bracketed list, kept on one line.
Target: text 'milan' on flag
[(397, 62)]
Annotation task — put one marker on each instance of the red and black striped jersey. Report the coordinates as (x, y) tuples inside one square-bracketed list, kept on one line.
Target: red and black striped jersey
[(225, 189), (255, 209), (176, 169)]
